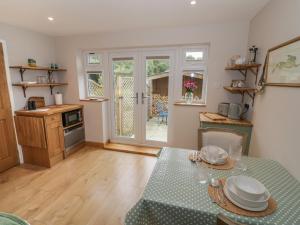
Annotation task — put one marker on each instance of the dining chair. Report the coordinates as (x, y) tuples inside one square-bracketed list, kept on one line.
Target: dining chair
[(222, 138), (223, 220)]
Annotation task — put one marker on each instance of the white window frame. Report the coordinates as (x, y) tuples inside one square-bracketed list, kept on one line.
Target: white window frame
[(200, 65), (94, 68)]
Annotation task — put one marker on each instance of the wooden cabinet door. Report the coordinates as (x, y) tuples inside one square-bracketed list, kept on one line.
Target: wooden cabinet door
[(8, 144), (55, 139)]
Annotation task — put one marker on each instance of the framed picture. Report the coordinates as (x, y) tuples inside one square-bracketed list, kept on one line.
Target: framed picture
[(283, 64)]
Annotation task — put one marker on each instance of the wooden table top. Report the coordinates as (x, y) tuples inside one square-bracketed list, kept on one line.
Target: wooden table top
[(224, 120), (52, 109)]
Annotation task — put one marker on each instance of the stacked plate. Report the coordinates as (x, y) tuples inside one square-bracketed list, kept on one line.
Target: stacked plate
[(247, 193), (213, 155)]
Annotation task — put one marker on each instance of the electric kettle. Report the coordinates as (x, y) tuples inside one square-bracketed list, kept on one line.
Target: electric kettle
[(236, 111)]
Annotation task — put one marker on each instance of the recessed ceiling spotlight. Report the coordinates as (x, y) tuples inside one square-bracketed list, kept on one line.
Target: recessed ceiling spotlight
[(50, 18), (193, 2)]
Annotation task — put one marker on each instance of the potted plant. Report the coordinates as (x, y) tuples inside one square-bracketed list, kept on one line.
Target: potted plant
[(190, 86)]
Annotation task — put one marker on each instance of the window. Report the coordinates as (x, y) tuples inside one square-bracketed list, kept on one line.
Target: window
[(193, 74), (194, 56), (95, 84), (193, 80), (93, 58)]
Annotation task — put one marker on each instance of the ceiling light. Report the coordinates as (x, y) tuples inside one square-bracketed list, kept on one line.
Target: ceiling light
[(50, 18), (193, 2)]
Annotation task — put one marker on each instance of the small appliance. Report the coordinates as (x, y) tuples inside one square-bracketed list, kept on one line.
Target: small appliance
[(223, 109), (72, 117), (236, 111)]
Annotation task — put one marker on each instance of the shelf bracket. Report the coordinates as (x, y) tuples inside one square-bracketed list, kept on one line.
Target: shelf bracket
[(51, 89), (24, 91), (22, 70), (252, 96), (244, 73)]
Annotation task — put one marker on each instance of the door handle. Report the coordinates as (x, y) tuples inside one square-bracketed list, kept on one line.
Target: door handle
[(143, 97), (136, 98)]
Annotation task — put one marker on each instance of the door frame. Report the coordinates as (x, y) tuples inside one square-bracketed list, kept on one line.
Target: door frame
[(171, 53), (123, 54)]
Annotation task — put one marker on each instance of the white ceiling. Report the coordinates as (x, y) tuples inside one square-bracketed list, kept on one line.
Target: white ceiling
[(92, 16)]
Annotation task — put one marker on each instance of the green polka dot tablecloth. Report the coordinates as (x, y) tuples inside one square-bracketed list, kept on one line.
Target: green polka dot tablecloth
[(174, 197)]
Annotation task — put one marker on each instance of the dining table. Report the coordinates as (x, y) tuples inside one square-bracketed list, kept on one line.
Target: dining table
[(173, 196)]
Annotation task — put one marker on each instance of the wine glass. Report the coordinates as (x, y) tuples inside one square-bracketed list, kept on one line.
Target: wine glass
[(235, 153), (201, 173)]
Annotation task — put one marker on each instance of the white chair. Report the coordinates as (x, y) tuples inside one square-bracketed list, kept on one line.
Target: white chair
[(222, 138)]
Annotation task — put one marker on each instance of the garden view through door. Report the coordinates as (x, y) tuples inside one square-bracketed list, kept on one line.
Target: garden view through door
[(157, 89), (140, 98), (125, 97)]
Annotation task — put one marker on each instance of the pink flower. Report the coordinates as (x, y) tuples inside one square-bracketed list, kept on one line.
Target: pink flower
[(190, 85)]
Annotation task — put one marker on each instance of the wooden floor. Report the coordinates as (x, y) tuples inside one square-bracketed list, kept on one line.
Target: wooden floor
[(150, 151), (91, 187)]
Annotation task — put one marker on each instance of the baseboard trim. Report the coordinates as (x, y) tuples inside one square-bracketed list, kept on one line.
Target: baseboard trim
[(94, 144)]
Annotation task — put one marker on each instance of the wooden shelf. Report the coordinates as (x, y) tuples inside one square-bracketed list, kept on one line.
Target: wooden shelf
[(22, 70), (36, 68), (239, 90), (28, 85), (243, 67), (251, 92)]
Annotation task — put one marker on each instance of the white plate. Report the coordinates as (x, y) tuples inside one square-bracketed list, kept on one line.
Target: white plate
[(249, 187), (221, 152), (230, 193)]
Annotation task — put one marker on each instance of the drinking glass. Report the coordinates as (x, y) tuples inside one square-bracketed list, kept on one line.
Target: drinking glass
[(201, 173), (235, 153)]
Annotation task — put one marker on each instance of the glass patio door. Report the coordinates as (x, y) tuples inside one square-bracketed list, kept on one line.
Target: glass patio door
[(140, 90), (125, 98), (156, 86)]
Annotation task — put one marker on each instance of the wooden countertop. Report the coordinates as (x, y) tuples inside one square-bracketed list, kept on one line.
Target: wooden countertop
[(52, 109), (224, 120)]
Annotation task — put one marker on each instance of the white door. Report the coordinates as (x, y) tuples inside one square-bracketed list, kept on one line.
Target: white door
[(125, 100), (141, 90), (156, 93)]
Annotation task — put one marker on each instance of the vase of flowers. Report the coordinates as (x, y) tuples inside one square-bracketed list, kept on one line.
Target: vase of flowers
[(190, 86)]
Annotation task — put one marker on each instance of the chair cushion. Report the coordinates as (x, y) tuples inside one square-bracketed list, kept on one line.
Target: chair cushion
[(222, 139)]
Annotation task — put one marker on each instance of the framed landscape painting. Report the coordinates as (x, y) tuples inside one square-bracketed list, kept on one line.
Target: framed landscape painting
[(283, 64)]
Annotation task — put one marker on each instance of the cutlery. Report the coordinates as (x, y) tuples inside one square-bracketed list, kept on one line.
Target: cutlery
[(221, 189)]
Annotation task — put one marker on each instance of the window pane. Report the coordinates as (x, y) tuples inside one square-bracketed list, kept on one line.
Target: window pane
[(192, 81), (94, 58), (194, 56), (123, 75), (95, 84)]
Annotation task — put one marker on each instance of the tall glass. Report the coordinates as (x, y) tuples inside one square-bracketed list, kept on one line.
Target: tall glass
[(201, 173), (235, 153)]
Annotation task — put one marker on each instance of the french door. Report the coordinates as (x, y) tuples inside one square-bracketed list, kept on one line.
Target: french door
[(141, 84)]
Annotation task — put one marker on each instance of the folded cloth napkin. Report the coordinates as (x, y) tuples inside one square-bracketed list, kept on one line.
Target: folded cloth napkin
[(10, 219)]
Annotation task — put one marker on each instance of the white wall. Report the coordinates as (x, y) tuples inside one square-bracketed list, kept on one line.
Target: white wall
[(225, 40), (276, 113), (21, 45)]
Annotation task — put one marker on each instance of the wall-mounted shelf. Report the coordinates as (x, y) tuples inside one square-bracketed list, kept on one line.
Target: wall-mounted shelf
[(244, 68), (25, 85), (242, 91), (30, 85), (22, 70)]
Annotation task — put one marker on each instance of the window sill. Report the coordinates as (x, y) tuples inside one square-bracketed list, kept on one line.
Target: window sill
[(94, 99), (191, 104)]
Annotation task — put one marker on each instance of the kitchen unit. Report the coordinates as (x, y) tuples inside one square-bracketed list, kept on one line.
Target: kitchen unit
[(42, 133), (214, 120)]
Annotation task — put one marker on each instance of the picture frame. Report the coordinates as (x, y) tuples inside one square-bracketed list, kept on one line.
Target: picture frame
[(283, 64)]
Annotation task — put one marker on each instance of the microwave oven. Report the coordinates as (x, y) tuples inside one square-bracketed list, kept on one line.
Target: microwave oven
[(72, 117)]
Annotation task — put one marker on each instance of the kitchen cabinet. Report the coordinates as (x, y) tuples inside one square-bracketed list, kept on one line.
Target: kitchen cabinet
[(41, 134), (242, 126)]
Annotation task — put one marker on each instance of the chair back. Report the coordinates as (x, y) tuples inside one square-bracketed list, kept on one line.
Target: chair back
[(222, 138), (159, 107)]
